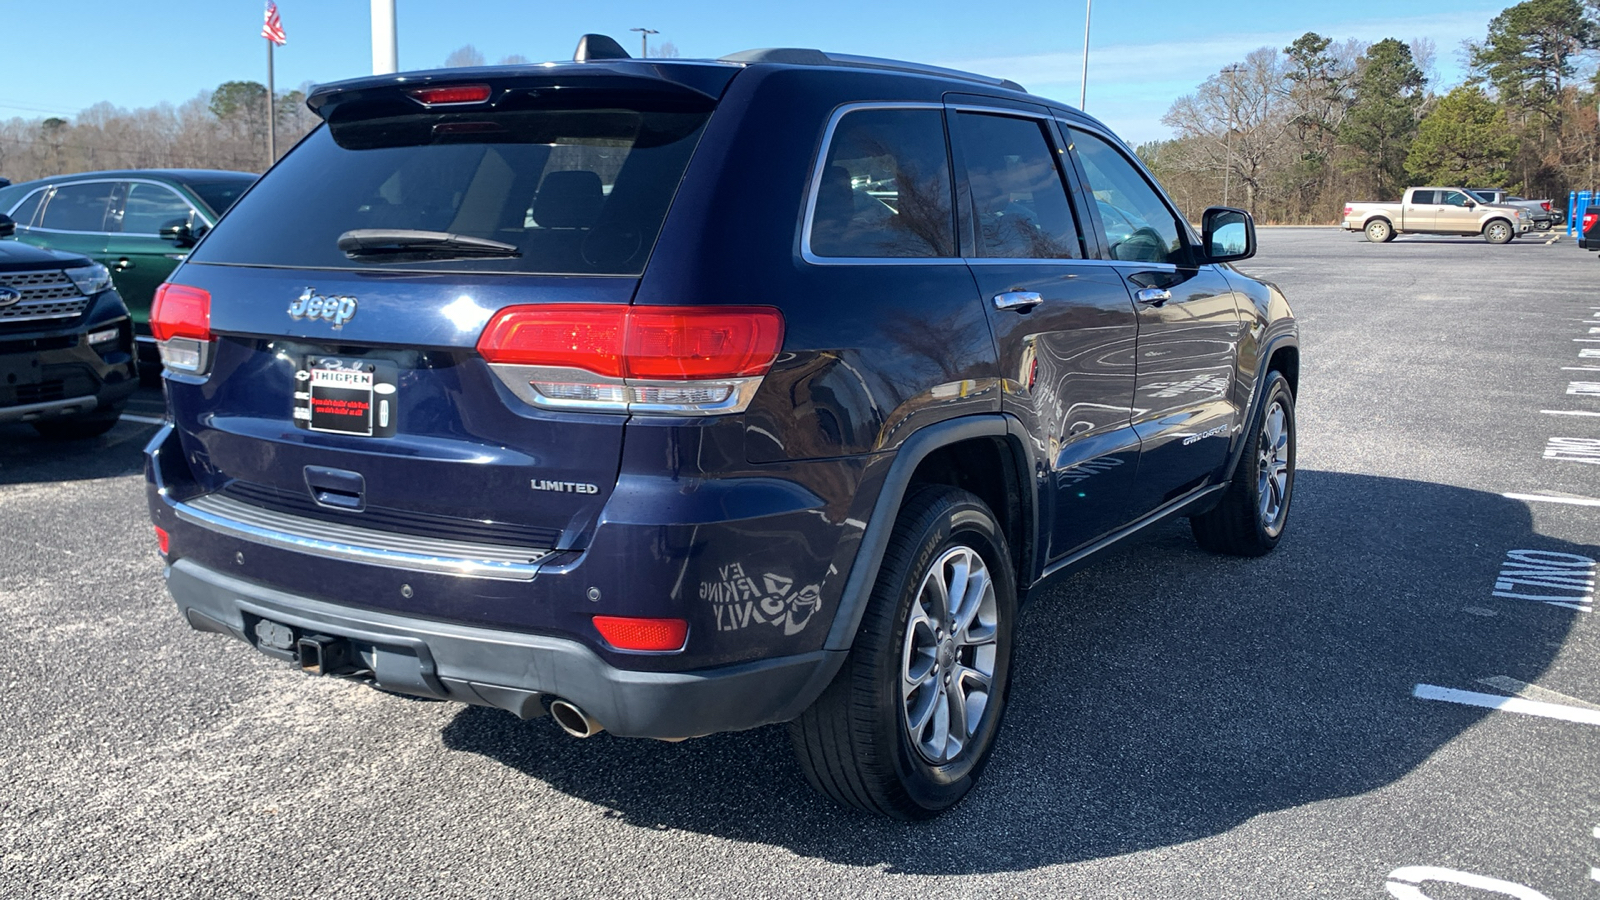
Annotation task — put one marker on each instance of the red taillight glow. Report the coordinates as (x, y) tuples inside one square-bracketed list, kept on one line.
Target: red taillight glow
[(1349, 209), (665, 343), (181, 311), (460, 93), (658, 635), (1588, 221), (1546, 205), (161, 539)]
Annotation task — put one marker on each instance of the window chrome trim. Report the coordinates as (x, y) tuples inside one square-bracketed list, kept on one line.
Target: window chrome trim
[(18, 205), (52, 186), (225, 515), (814, 185), (193, 212)]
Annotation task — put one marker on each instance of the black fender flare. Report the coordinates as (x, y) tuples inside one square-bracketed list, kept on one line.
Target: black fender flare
[(886, 509), (1268, 350)]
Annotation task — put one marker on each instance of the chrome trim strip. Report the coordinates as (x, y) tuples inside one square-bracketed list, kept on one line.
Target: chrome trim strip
[(519, 380), (225, 515), (32, 411)]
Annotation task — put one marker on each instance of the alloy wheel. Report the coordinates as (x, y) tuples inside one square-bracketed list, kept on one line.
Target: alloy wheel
[(949, 655), (1272, 467)]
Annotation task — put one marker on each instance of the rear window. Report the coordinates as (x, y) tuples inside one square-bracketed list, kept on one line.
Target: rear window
[(577, 191)]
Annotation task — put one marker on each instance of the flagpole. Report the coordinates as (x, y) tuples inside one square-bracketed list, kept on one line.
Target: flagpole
[(272, 111)]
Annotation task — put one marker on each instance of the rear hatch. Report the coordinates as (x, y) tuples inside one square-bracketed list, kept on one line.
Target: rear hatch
[(343, 383)]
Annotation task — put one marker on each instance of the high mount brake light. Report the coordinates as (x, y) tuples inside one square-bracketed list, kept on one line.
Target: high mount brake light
[(692, 360), (651, 635), (451, 95), (181, 311)]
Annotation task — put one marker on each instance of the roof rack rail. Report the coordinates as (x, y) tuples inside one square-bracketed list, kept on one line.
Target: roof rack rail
[(800, 56)]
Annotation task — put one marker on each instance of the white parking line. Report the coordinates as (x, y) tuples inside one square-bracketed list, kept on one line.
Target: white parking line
[(1547, 498), (1507, 704), (143, 420), (1580, 368), (1584, 388), (1561, 412)]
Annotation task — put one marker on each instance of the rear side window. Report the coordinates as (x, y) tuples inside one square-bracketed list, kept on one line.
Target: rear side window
[(1423, 198), (885, 188), (23, 215), (1138, 226), (1018, 198), (78, 207), (575, 191), (219, 195)]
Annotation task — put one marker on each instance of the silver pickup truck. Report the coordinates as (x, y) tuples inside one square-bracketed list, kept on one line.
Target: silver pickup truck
[(1436, 210), (1544, 213)]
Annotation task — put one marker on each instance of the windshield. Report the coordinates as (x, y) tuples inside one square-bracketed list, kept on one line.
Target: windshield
[(219, 195), (574, 191)]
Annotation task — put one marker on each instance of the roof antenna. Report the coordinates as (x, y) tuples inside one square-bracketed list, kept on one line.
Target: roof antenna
[(598, 46)]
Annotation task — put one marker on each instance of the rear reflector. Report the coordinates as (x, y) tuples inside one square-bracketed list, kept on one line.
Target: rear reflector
[(657, 635), (663, 343), (161, 539), (460, 93), (181, 311)]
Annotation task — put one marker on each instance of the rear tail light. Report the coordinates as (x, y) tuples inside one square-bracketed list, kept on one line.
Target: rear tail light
[(1349, 209), (650, 635), (686, 360), (162, 539), (1546, 205), (1588, 221), (180, 319)]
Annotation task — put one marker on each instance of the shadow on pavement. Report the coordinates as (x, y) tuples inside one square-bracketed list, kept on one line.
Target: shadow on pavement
[(26, 457), (1162, 695)]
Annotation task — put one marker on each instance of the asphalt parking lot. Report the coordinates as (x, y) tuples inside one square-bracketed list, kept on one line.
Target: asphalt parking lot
[(1182, 725)]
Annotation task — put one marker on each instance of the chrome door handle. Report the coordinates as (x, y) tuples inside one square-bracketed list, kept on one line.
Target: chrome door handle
[(1018, 300), (123, 264), (1153, 295)]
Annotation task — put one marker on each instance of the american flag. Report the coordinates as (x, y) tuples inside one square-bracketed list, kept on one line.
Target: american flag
[(273, 29)]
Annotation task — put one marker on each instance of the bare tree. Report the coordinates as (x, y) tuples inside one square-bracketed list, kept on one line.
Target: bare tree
[(466, 55)]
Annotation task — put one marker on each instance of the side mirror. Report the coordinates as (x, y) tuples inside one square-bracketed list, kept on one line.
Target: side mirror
[(1227, 234), (178, 232), (1471, 205), (8, 226)]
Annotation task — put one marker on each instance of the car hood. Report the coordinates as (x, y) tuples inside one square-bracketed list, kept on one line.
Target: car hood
[(15, 255)]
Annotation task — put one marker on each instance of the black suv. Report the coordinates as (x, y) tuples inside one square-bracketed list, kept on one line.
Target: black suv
[(66, 342), (678, 397)]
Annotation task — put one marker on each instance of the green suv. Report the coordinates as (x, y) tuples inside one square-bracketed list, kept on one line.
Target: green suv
[(140, 223)]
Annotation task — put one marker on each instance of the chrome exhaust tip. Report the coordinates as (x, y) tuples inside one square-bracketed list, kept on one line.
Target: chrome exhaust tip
[(573, 720)]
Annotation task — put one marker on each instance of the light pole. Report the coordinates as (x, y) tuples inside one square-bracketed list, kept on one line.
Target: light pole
[(1231, 72), (1083, 82), (385, 44), (644, 40)]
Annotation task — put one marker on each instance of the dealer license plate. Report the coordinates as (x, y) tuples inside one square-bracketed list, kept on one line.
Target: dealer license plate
[(346, 396)]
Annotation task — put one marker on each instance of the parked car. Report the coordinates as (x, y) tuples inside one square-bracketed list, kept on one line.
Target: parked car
[(1436, 211), (137, 222), (1589, 236), (679, 399), (1542, 212), (66, 342)]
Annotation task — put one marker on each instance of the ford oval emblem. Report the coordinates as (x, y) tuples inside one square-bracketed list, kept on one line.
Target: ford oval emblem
[(9, 296)]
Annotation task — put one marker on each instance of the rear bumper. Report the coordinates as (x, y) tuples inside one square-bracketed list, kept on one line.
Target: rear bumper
[(510, 670)]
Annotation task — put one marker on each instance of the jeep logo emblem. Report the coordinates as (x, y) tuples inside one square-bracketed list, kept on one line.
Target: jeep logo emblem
[(9, 296), (337, 310)]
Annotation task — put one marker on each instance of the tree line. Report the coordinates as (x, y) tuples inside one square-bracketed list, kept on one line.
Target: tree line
[(1291, 134)]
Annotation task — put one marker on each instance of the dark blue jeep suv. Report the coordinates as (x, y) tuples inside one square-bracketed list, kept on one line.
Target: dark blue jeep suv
[(678, 397)]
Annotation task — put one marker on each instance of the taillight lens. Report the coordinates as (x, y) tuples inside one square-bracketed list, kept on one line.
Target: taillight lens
[(460, 93), (181, 311), (652, 635), (1546, 205), (694, 360), (1349, 209), (180, 319), (1588, 221), (162, 540)]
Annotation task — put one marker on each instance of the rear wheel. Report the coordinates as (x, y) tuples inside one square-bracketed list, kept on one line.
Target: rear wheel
[(1498, 231), (908, 723), (80, 427), (1379, 231), (1252, 514)]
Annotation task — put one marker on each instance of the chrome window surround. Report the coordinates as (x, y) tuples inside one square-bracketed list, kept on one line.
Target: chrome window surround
[(519, 380), (329, 540), (815, 185), (45, 205)]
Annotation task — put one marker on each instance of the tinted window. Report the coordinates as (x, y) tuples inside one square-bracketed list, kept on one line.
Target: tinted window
[(1019, 202), (219, 195), (576, 191), (78, 207), (885, 189), (24, 213), (1454, 198), (1152, 232), (1421, 198), (149, 207)]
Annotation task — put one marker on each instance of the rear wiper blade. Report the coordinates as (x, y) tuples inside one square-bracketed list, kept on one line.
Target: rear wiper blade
[(408, 244)]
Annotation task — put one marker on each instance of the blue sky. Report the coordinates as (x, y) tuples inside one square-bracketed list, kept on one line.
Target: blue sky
[(62, 57)]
